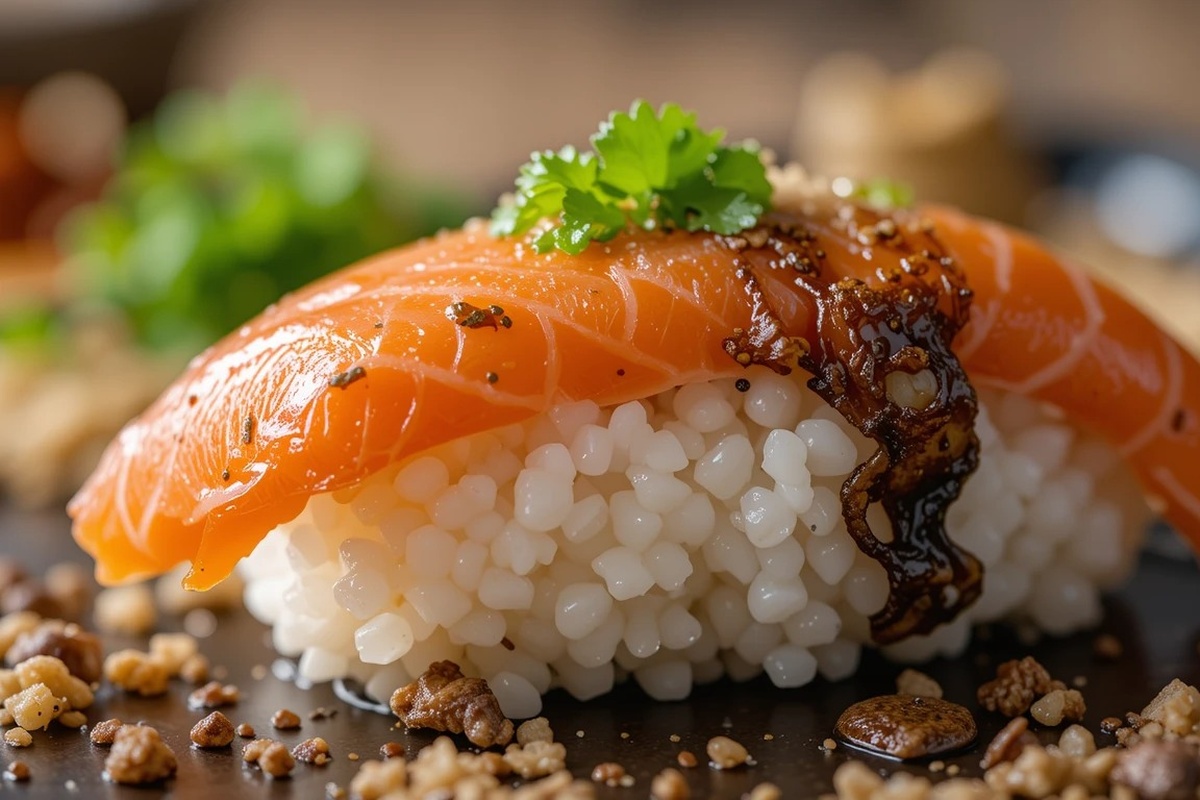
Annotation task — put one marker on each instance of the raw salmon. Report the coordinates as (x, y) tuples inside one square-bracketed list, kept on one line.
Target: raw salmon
[(371, 365)]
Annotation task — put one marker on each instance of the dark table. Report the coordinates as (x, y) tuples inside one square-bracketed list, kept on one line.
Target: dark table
[(1156, 616)]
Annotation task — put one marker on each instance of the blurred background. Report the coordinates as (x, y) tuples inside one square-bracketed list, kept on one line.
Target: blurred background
[(167, 167)]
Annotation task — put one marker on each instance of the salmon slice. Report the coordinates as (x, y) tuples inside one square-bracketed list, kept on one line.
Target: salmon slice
[(366, 367)]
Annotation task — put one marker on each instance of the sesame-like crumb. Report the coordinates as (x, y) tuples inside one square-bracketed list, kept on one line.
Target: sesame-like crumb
[(215, 730), (138, 756), (103, 733), (313, 751)]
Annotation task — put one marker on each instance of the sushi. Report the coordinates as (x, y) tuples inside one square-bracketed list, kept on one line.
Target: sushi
[(758, 435)]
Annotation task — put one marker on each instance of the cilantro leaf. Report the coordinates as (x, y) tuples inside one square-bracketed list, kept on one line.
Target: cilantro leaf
[(648, 170)]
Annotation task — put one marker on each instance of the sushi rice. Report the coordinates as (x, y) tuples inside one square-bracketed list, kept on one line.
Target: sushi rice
[(674, 540)]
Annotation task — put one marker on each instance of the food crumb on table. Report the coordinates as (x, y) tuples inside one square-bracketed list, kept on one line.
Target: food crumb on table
[(726, 753), (245, 730), (686, 759), (285, 720), (391, 750), (215, 730), (608, 772), (443, 699), (669, 785), (103, 733), (214, 694), (139, 755), (313, 751), (135, 671), (829, 744), (17, 771), (18, 737)]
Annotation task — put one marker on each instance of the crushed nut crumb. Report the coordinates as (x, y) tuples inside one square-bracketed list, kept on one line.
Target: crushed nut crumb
[(443, 699), (138, 756), (53, 673), (1016, 686), (214, 695), (391, 750), (686, 759), (276, 761), (313, 751), (245, 730), (536, 759), (534, 730), (103, 733), (134, 671), (609, 773), (215, 730), (35, 707), (1059, 706)]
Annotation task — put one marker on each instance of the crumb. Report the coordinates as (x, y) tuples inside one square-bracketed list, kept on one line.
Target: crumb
[(245, 730), (534, 730), (285, 720), (215, 730), (1059, 706), (1159, 769), (214, 695), (725, 753), (609, 773), (276, 761), (172, 650), (195, 669), (937, 766), (17, 771), (134, 671), (1008, 743), (378, 778), (914, 682), (321, 712), (79, 650), (391, 750), (72, 719), (1017, 685), (765, 791), (335, 792), (579, 734), (669, 785), (768, 737), (18, 737), (674, 738), (686, 759), (829, 744), (443, 699), (53, 673), (138, 756), (1110, 724), (953, 769), (536, 759), (1176, 707), (127, 610), (352, 756), (252, 751), (103, 733), (35, 707), (624, 734), (313, 751)]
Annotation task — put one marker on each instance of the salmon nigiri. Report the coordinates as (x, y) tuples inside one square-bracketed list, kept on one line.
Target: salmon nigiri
[(684, 453)]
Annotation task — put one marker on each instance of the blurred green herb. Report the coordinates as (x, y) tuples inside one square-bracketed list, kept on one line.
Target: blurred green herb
[(884, 193), (648, 170), (219, 206)]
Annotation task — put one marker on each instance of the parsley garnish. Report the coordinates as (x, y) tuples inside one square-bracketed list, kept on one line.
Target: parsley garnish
[(648, 170)]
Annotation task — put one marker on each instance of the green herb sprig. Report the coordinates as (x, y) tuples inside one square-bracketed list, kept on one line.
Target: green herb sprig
[(648, 170)]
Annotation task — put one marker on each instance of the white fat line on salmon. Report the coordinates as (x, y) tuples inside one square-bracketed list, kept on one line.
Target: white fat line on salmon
[(1002, 256), (1081, 342), (1172, 399)]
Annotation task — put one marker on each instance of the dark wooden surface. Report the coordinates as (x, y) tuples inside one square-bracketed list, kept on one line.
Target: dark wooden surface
[(1156, 616)]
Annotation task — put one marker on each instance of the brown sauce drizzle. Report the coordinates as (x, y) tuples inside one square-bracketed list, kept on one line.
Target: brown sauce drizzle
[(864, 332), (471, 316)]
